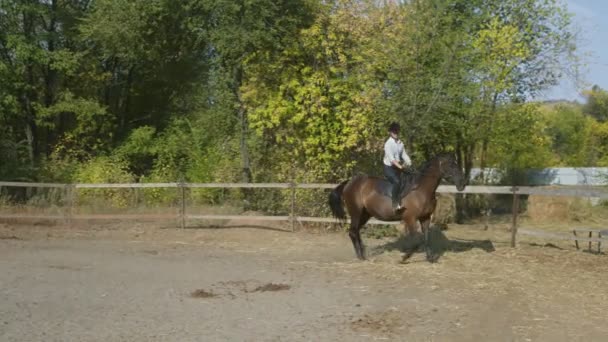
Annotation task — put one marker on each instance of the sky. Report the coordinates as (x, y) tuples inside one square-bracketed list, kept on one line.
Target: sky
[(591, 18)]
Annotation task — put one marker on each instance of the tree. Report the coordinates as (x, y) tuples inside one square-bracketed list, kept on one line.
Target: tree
[(598, 143), (243, 31), (597, 103), (521, 140), (35, 63), (569, 130), (316, 101), (149, 58), (462, 60)]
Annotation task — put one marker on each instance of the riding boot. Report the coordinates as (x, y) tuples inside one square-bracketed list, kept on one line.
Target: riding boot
[(392, 175), (396, 194)]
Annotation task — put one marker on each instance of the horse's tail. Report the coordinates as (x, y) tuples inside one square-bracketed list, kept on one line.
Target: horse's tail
[(335, 201)]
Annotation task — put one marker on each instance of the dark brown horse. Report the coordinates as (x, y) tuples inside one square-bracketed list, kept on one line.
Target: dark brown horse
[(366, 197)]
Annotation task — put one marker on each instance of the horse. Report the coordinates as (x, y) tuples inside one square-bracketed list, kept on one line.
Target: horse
[(368, 196)]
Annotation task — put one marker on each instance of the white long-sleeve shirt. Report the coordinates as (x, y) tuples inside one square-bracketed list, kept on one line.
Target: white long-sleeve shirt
[(394, 150)]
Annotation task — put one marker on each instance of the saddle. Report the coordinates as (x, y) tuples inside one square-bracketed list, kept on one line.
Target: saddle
[(407, 182)]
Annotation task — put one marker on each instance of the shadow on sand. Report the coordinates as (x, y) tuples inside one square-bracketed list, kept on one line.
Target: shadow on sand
[(439, 244)]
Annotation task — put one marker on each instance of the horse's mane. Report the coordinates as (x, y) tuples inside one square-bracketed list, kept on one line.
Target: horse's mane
[(418, 172), (410, 179)]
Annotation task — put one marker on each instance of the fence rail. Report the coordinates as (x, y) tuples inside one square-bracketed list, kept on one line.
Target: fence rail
[(182, 215), (573, 191), (556, 236)]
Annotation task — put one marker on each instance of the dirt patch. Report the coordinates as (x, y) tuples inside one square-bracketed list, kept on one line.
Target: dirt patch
[(11, 237), (238, 285), (385, 322), (271, 287), (230, 287), (200, 293), (65, 267), (480, 289)]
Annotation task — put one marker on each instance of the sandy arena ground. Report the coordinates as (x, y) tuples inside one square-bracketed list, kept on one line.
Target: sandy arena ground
[(141, 282)]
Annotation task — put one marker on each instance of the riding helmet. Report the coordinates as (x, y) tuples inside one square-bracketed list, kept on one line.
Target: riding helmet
[(394, 127)]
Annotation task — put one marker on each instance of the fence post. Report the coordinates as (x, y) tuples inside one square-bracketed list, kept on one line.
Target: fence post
[(136, 195), (182, 211), (69, 194), (293, 206), (515, 213)]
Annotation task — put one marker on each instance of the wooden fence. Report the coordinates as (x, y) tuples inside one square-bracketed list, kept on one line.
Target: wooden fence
[(183, 215)]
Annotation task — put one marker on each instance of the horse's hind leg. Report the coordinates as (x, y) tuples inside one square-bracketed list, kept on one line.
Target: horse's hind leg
[(355, 233)]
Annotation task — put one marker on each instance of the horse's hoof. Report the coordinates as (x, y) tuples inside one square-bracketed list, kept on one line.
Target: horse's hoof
[(405, 258), (432, 259)]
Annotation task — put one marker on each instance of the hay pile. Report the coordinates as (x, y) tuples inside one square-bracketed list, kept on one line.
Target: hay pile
[(558, 209), (446, 209)]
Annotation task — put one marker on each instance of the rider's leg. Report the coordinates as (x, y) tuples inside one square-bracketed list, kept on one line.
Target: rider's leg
[(392, 176)]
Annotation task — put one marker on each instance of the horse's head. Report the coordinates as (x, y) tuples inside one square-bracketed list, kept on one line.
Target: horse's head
[(450, 169)]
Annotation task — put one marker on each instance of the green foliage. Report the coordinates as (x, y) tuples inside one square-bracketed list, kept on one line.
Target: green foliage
[(139, 149), (460, 62), (520, 141), (598, 142), (319, 104), (92, 129), (577, 139), (14, 157), (104, 170), (597, 103), (208, 90), (569, 129), (58, 169)]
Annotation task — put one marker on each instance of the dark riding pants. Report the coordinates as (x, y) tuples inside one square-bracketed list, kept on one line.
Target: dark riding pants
[(392, 175)]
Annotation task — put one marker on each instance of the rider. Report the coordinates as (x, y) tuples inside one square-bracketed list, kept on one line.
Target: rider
[(395, 161)]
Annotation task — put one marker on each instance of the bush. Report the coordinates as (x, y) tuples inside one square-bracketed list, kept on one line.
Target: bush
[(104, 170)]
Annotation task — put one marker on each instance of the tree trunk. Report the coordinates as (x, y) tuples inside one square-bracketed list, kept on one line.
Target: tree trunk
[(464, 154), (29, 135), (124, 103), (29, 128), (50, 80), (459, 199), (28, 95), (51, 75), (242, 116), (486, 139), (243, 144)]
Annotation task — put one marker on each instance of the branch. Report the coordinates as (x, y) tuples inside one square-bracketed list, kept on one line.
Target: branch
[(445, 72)]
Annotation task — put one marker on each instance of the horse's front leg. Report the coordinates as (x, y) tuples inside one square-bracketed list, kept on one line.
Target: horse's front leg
[(409, 229), (425, 225)]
